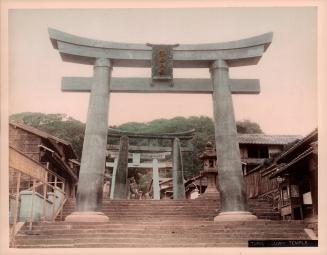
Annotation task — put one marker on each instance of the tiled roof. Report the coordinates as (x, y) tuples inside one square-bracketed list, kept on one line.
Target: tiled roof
[(43, 135), (38, 132), (267, 139), (313, 136), (284, 167)]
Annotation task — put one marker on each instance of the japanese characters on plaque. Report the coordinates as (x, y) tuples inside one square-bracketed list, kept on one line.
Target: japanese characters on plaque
[(162, 63)]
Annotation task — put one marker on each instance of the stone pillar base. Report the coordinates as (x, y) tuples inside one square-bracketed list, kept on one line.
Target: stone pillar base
[(87, 216), (235, 216)]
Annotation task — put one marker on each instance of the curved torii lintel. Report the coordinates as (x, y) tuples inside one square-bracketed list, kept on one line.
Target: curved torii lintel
[(181, 135), (84, 50)]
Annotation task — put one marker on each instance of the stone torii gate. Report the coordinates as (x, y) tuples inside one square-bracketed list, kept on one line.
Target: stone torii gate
[(218, 57), (121, 165)]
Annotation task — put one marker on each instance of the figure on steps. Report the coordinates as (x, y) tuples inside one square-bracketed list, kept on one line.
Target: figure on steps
[(144, 186), (134, 189)]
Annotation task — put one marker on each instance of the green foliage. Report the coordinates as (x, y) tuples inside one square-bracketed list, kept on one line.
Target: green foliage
[(71, 130), (204, 132), (248, 127)]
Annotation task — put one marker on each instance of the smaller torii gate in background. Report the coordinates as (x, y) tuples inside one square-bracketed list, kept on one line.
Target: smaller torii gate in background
[(218, 57), (119, 185)]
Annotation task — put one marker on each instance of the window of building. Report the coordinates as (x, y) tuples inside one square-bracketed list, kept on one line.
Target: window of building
[(285, 195), (258, 152)]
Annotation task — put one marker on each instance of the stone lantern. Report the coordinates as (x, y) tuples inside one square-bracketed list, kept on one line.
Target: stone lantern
[(210, 171)]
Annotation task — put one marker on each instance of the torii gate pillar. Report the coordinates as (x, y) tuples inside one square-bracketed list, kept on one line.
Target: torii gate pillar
[(231, 183), (89, 191)]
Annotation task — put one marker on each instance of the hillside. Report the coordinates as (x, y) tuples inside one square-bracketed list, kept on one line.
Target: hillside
[(72, 130)]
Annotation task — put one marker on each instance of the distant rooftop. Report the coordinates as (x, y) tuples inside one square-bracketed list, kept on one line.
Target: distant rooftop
[(44, 135), (38, 132), (267, 139)]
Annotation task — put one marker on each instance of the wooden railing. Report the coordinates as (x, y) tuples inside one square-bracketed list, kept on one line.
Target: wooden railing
[(28, 175), (59, 210), (47, 189)]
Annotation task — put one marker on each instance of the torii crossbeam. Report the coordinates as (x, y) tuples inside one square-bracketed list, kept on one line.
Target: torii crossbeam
[(218, 57)]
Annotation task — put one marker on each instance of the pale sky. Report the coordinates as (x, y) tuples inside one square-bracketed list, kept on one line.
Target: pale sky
[(287, 71)]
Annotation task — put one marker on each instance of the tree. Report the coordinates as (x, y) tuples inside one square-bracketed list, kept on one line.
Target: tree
[(248, 127), (204, 132)]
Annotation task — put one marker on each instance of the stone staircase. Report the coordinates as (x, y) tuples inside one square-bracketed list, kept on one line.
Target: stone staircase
[(165, 223), (160, 233), (200, 208), (148, 210), (263, 209)]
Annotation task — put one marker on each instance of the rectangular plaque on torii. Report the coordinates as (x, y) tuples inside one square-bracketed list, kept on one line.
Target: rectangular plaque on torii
[(162, 63)]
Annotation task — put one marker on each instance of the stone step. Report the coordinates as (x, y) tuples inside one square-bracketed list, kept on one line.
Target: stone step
[(214, 205), (154, 230), (223, 224), (259, 205), (262, 209), (156, 225), (151, 206), (171, 203), (156, 202), (163, 209), (126, 209), (162, 227), (154, 217), (133, 245), (269, 217), (147, 241), (169, 209), (266, 212), (161, 215), (151, 217), (145, 234), (256, 202), (155, 206), (156, 233)]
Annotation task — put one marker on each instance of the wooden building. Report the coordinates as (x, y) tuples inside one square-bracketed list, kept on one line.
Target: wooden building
[(255, 149), (257, 153), (53, 153), (289, 179), (296, 172)]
